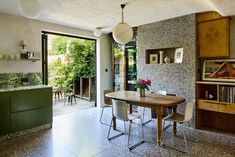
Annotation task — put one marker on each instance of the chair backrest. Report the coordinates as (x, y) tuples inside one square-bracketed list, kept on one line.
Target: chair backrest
[(120, 109), (189, 111), (107, 101)]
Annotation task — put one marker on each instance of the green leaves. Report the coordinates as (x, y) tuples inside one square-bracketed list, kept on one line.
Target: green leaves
[(78, 60)]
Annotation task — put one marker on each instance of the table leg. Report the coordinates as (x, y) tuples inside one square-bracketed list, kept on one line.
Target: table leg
[(159, 111), (114, 123), (174, 123), (130, 109)]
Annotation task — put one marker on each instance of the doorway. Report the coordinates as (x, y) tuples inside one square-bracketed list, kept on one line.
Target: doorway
[(69, 67)]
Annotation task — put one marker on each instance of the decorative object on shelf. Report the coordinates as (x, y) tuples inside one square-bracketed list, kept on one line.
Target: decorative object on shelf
[(142, 85), (23, 44), (97, 32), (167, 60), (30, 8), (179, 55), (219, 70), (161, 56), (153, 58), (1, 56), (122, 32)]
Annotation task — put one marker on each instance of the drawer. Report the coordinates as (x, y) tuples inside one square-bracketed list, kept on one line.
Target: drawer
[(216, 106), (30, 99), (29, 119)]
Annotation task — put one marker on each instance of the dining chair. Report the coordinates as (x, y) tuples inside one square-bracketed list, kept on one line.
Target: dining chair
[(144, 108), (120, 112), (182, 118), (107, 104)]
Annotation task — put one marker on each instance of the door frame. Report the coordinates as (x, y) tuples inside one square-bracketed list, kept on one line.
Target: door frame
[(44, 37)]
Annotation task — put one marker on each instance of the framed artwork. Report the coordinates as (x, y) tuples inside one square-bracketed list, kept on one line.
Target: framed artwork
[(178, 55), (153, 58), (219, 70)]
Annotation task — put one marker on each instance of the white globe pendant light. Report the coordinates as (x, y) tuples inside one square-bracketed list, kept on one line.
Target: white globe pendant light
[(97, 32), (30, 8), (122, 33)]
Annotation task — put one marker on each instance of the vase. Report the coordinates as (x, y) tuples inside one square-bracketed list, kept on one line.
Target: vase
[(161, 56), (142, 92)]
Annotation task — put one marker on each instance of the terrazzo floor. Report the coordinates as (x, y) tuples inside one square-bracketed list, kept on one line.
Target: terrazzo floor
[(60, 108), (79, 134)]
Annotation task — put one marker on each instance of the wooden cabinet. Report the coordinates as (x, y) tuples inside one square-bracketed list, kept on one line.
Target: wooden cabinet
[(213, 35), (216, 105), (84, 87)]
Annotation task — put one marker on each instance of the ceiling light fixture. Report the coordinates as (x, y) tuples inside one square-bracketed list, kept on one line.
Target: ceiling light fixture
[(30, 8), (122, 33), (97, 32)]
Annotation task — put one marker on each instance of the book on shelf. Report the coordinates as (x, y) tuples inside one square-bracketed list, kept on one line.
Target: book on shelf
[(227, 94)]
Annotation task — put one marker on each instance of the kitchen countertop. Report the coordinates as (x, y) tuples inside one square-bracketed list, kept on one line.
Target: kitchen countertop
[(23, 88)]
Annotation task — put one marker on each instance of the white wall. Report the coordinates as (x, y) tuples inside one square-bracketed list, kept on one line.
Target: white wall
[(13, 29)]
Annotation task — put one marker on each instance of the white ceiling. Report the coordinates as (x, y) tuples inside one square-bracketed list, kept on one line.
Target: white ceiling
[(88, 14)]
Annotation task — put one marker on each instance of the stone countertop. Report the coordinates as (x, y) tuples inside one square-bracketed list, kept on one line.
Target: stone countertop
[(23, 88)]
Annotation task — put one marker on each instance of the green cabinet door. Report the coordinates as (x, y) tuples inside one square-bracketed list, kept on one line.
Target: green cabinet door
[(4, 113), (30, 99)]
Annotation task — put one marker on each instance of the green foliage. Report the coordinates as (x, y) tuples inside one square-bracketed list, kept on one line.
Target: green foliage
[(80, 61), (58, 46)]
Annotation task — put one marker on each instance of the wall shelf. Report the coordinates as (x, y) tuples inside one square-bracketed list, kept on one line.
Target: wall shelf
[(167, 52)]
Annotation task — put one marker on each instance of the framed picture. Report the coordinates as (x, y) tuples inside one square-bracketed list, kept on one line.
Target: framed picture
[(179, 55), (219, 70), (153, 58)]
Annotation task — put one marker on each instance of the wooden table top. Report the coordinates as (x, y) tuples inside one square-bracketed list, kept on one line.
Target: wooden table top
[(150, 100)]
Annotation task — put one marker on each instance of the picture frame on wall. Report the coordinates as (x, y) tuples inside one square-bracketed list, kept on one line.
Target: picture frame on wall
[(219, 70), (178, 55), (153, 58)]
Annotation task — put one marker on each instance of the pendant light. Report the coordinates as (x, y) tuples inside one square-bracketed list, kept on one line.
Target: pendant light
[(30, 8), (97, 32), (122, 33)]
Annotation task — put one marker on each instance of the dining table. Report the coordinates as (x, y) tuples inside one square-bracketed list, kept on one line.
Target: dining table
[(154, 101)]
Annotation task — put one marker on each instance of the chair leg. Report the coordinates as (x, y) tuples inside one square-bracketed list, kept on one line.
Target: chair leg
[(101, 116), (124, 126), (144, 116), (185, 141), (129, 133), (75, 100), (113, 137)]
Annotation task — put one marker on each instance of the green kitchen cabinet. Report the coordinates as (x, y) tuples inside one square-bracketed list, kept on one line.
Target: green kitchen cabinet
[(4, 113), (25, 108)]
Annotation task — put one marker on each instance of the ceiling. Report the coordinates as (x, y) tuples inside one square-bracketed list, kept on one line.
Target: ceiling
[(88, 14)]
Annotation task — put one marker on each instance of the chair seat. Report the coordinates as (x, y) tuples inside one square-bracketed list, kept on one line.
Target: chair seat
[(133, 116), (175, 117)]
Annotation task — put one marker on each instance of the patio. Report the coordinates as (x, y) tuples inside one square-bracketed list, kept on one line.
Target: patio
[(60, 108)]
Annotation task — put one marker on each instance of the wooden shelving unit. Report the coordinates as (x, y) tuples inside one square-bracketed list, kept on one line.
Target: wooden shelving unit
[(211, 111), (215, 101)]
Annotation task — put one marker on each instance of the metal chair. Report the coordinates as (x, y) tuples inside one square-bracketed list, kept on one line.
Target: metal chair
[(180, 118), (147, 121), (120, 112), (107, 103)]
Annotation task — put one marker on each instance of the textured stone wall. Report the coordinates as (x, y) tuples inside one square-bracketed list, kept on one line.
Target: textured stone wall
[(174, 78)]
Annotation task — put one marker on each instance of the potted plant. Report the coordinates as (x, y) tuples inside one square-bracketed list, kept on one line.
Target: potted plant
[(142, 85)]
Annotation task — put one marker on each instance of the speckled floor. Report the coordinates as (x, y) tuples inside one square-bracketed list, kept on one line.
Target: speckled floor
[(79, 134)]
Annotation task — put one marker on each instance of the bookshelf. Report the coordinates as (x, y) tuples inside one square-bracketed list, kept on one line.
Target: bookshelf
[(216, 105)]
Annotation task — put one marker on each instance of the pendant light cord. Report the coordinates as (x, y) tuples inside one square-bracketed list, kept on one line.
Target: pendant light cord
[(123, 6)]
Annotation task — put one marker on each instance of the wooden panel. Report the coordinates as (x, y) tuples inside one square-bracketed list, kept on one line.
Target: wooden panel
[(201, 17), (29, 119), (4, 113), (213, 38), (216, 106), (30, 99), (217, 120)]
